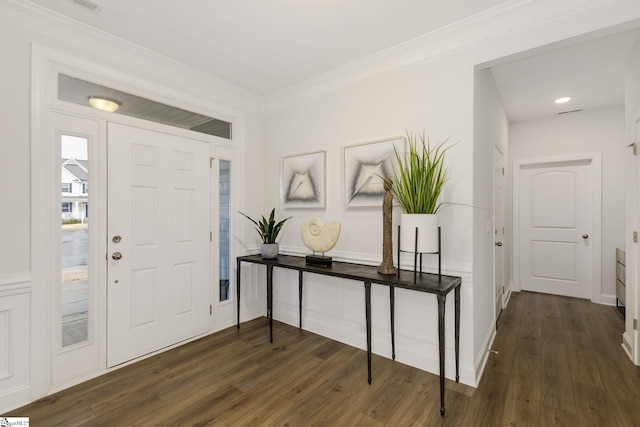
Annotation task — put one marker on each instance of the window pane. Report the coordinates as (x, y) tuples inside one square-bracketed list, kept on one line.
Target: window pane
[(79, 91), (224, 233), (74, 287)]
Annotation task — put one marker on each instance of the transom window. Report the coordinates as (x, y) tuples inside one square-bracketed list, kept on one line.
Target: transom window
[(79, 91)]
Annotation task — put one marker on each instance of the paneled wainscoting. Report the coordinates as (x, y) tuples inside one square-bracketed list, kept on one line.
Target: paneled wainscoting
[(15, 303), (559, 362)]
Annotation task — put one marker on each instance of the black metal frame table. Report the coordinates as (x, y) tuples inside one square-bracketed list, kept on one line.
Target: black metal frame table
[(422, 282)]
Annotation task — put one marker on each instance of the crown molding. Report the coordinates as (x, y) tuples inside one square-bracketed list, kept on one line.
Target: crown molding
[(63, 32), (497, 22)]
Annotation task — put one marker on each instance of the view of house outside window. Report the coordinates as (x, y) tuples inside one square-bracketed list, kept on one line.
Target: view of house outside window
[(74, 177)]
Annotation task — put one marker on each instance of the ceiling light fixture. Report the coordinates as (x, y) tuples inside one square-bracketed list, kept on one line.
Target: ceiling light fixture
[(103, 104), (563, 100)]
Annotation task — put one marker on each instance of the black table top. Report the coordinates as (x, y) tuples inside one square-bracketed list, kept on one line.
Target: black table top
[(424, 282)]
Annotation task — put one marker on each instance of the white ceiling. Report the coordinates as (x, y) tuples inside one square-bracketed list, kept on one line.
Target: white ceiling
[(591, 73), (267, 46)]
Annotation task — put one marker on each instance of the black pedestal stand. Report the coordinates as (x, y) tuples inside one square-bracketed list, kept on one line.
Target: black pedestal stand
[(416, 253)]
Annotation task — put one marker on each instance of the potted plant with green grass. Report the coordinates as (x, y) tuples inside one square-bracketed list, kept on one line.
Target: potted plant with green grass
[(417, 184), (268, 231)]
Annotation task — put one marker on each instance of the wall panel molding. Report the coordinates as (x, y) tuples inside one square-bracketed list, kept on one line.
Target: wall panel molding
[(6, 343), (14, 349), (15, 282)]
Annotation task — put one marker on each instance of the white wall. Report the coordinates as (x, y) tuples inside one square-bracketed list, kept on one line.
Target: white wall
[(369, 111), (491, 126), (599, 131)]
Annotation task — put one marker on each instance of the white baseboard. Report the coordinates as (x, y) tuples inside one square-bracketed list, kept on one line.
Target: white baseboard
[(626, 345), (507, 297), (15, 398), (483, 356), (608, 299)]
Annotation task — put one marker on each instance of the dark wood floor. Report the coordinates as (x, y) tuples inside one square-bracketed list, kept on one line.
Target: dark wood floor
[(559, 362)]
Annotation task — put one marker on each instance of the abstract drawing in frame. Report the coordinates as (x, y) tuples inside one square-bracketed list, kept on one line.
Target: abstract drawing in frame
[(364, 165), (303, 180)]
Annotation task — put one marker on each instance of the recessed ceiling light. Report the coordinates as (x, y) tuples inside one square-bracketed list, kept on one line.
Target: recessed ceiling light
[(563, 100), (103, 104)]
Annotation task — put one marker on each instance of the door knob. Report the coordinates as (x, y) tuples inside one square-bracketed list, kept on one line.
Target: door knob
[(585, 236), (498, 243), (116, 256)]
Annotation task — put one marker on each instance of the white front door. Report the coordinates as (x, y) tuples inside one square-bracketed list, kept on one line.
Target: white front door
[(498, 228), (555, 206), (159, 284)]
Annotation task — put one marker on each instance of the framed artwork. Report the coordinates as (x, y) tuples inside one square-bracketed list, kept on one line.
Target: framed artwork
[(364, 166), (303, 180)]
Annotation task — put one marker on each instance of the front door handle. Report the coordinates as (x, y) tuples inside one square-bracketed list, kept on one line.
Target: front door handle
[(116, 255), (498, 243), (585, 236)]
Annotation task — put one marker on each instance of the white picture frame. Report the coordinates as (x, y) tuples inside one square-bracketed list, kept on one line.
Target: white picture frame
[(303, 181), (363, 167)]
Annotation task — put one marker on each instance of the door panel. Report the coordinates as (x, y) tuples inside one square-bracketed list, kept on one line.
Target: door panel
[(556, 220), (498, 209), (159, 290)]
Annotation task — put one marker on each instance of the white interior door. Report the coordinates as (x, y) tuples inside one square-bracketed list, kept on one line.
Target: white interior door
[(159, 284), (498, 209), (555, 226), (633, 286)]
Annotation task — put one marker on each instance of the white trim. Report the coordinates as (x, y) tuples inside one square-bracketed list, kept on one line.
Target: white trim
[(507, 297), (15, 281), (483, 356), (608, 299), (627, 345), (498, 145), (631, 335), (596, 232), (14, 398)]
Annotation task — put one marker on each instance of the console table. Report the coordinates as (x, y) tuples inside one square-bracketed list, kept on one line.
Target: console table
[(422, 282)]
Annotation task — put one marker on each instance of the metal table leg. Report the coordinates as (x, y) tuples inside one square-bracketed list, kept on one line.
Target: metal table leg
[(441, 307), (392, 309), (238, 292), (457, 331), (367, 309), (270, 300), (300, 299)]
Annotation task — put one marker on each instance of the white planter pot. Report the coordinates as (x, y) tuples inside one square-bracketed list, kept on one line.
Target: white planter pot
[(269, 250), (427, 232)]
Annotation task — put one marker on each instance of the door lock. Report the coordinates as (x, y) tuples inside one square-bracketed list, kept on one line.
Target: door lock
[(116, 255), (116, 239), (585, 236), (498, 243)]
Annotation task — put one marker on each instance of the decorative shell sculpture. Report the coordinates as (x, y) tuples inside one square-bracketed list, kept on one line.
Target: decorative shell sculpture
[(318, 236)]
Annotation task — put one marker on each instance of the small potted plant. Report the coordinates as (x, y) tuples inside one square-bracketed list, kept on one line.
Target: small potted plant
[(268, 231), (417, 184)]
